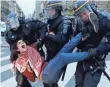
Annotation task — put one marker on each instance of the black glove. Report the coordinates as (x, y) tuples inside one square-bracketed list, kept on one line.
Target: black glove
[(92, 52), (39, 44), (39, 48), (45, 38)]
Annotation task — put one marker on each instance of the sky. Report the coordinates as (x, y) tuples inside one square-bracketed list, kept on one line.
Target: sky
[(27, 6)]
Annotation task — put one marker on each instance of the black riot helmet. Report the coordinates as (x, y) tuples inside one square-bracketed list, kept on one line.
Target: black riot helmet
[(82, 8), (53, 9), (12, 21)]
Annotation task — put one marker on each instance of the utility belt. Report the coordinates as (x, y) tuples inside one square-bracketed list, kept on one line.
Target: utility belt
[(91, 64)]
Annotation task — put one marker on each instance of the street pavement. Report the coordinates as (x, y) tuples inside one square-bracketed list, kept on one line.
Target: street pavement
[(8, 79)]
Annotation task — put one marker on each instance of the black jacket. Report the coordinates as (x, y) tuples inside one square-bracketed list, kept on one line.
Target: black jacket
[(94, 41), (61, 26), (95, 38), (29, 32)]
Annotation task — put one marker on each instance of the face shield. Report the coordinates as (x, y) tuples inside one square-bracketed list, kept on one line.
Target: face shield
[(86, 13), (12, 21), (50, 12), (45, 13)]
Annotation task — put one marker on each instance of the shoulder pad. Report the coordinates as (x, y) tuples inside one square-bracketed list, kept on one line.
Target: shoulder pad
[(106, 14), (30, 20), (66, 19)]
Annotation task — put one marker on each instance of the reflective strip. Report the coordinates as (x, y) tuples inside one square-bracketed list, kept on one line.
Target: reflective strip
[(81, 6), (54, 4)]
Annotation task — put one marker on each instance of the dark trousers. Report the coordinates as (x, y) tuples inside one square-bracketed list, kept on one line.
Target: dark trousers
[(50, 85), (22, 80), (86, 78)]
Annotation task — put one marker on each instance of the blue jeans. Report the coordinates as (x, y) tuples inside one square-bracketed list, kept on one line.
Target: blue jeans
[(53, 70)]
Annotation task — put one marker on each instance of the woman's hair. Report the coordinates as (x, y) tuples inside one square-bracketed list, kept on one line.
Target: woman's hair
[(14, 55), (14, 52)]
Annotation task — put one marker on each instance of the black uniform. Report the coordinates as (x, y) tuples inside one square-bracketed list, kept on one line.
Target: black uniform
[(30, 32), (88, 73), (61, 27)]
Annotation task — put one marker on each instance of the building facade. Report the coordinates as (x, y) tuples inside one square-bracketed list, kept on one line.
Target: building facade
[(102, 5), (7, 7), (38, 12), (67, 7)]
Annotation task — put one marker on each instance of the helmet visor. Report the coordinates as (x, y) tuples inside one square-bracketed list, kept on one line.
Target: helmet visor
[(12, 22), (49, 12)]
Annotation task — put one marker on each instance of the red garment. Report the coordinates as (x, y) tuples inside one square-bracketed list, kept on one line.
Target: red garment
[(32, 56), (29, 75)]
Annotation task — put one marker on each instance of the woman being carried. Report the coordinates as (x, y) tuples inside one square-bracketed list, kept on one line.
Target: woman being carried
[(30, 63)]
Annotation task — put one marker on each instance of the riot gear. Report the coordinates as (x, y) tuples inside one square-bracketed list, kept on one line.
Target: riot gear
[(81, 7), (91, 69), (53, 9), (12, 21)]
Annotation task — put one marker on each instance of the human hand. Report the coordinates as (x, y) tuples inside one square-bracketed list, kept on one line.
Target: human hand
[(84, 38), (52, 33), (12, 67)]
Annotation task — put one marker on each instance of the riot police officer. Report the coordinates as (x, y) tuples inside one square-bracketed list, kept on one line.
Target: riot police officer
[(88, 73), (59, 28)]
